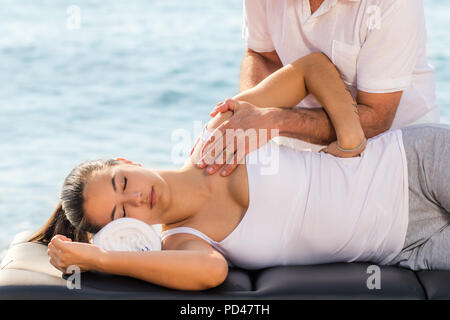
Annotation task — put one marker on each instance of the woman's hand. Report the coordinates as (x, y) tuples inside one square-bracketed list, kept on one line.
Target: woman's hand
[(64, 253), (333, 149)]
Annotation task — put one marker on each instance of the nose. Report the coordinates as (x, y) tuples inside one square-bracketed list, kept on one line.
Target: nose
[(134, 198)]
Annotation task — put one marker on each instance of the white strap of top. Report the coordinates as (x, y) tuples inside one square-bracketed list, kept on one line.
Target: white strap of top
[(193, 231), (169, 232)]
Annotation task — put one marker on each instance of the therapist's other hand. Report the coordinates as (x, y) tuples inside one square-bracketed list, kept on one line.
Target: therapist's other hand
[(224, 106), (228, 146)]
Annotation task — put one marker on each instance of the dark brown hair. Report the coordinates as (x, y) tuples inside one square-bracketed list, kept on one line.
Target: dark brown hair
[(69, 218)]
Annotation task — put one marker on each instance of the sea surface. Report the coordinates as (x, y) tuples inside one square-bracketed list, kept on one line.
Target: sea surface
[(91, 79)]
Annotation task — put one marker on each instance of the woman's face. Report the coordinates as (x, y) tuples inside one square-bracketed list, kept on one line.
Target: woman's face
[(125, 190)]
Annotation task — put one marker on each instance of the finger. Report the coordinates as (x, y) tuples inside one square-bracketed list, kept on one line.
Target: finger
[(52, 247), (218, 106), (206, 148), (221, 109), (225, 156), (58, 265), (218, 162), (54, 264), (213, 113), (64, 238), (215, 110), (213, 168), (58, 236), (228, 105), (54, 260), (238, 158), (203, 154), (52, 254), (58, 243), (231, 104), (50, 250), (214, 143), (56, 255), (195, 144), (229, 168)]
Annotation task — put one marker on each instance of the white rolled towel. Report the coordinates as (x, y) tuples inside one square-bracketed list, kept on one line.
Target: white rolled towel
[(128, 234)]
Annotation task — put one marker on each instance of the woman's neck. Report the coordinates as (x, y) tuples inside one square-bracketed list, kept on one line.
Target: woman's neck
[(190, 189)]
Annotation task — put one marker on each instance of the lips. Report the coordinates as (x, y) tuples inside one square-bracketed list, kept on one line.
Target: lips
[(152, 198)]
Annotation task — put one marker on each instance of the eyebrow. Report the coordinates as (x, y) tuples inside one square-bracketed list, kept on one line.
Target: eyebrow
[(113, 182)]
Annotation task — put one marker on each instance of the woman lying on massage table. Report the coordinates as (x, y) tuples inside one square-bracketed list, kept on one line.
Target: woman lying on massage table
[(357, 201)]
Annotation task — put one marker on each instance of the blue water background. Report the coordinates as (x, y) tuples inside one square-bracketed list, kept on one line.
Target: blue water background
[(134, 74)]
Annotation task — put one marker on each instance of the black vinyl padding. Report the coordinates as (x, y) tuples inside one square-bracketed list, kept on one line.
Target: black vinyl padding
[(27, 274)]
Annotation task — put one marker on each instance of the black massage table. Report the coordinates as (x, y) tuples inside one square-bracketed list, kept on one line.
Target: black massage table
[(27, 274)]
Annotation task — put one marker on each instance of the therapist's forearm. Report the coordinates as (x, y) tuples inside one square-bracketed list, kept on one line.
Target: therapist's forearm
[(314, 125)]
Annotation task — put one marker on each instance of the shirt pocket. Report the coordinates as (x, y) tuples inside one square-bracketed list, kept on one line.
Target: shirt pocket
[(344, 57)]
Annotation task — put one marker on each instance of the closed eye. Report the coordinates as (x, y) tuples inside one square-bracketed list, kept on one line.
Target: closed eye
[(125, 180)]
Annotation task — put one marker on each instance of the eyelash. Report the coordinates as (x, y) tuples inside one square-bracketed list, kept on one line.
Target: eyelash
[(124, 186)]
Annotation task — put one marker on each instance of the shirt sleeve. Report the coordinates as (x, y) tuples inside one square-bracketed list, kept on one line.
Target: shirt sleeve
[(255, 30), (395, 39)]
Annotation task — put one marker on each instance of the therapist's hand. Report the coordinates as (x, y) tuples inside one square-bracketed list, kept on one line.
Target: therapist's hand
[(228, 146), (224, 106)]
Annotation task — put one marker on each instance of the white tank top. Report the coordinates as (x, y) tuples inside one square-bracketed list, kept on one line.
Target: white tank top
[(311, 208)]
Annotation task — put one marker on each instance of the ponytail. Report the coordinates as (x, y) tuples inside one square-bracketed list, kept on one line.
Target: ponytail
[(69, 218), (59, 224)]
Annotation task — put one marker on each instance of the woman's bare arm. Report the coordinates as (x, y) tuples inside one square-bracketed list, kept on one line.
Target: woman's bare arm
[(189, 263), (194, 265), (317, 75)]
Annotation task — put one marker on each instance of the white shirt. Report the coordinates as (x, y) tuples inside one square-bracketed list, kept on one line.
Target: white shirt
[(309, 208), (379, 46)]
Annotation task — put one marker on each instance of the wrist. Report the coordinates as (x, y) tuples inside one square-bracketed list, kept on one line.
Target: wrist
[(274, 121), (350, 141), (102, 261)]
